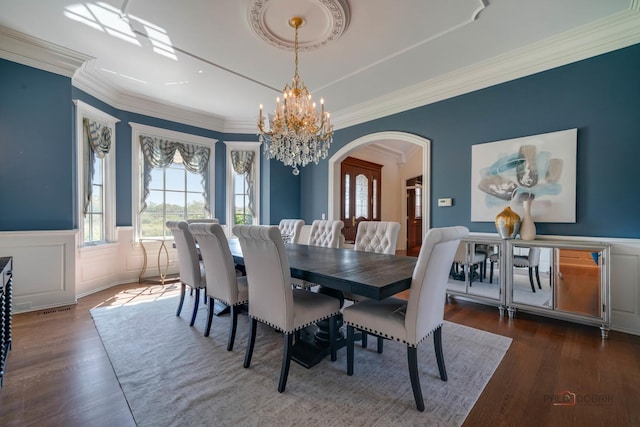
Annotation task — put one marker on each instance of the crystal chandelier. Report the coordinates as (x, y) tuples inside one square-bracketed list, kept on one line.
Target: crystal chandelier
[(297, 134)]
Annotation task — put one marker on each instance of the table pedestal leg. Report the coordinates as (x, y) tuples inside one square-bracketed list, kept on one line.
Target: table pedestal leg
[(314, 343)]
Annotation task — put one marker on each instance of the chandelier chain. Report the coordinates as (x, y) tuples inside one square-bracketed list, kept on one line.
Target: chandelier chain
[(297, 134)]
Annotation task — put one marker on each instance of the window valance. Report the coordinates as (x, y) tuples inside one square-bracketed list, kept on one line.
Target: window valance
[(159, 153), (98, 137), (242, 162)]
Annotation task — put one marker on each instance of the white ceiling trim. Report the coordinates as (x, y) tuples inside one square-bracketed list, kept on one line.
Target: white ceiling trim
[(620, 30), (142, 105), (378, 148), (615, 32), (36, 53)]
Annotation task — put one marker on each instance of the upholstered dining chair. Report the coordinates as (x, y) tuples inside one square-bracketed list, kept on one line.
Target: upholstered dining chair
[(379, 237), (203, 221), (291, 228), (191, 268), (273, 301), (325, 233), (411, 321), (222, 281), (531, 262)]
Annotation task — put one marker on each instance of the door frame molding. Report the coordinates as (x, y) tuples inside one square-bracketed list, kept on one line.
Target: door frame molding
[(341, 154)]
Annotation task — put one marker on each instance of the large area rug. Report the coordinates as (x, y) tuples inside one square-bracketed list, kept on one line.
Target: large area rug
[(172, 375)]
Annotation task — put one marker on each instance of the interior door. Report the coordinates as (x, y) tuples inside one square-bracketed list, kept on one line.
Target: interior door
[(361, 194), (414, 215)]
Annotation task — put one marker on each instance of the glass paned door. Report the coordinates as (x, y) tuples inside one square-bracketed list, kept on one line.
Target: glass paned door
[(361, 194)]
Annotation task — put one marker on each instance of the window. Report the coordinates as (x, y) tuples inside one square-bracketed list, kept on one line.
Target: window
[(243, 183), (96, 146), (172, 179)]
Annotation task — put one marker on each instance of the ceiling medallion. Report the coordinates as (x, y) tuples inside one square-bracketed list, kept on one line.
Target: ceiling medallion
[(268, 20)]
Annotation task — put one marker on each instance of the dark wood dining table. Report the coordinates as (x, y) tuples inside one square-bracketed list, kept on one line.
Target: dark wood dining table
[(372, 275), (368, 274)]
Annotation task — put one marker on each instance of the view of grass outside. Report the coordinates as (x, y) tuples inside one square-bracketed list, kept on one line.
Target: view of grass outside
[(241, 212), (174, 194)]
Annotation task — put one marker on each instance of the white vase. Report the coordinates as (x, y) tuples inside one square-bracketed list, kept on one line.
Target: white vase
[(527, 227)]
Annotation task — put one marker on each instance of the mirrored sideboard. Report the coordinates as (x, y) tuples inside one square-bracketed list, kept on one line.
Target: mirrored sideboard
[(475, 271), (564, 279)]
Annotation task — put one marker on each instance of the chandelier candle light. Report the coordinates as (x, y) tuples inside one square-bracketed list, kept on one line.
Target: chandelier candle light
[(298, 134)]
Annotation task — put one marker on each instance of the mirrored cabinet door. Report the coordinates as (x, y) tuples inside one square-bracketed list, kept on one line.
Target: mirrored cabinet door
[(485, 265), (579, 281), (476, 269), (532, 276)]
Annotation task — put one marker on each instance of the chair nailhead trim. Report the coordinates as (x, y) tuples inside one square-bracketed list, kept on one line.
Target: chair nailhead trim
[(296, 329), (228, 303), (389, 337)]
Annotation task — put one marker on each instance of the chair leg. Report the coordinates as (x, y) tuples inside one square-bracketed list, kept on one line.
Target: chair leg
[(195, 308), (209, 316), (286, 361), (350, 338), (333, 326), (234, 323), (412, 357), (538, 276), (364, 339), (253, 325), (182, 292), (380, 344), (491, 272), (437, 343), (533, 288)]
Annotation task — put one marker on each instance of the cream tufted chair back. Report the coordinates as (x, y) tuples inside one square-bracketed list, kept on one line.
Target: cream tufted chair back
[(377, 236), (291, 227), (411, 321), (325, 233), (203, 221), (272, 300), (192, 272)]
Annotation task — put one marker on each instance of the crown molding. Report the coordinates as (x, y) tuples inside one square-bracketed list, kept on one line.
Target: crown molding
[(87, 82), (379, 149), (606, 35), (602, 36), (23, 49), (241, 126)]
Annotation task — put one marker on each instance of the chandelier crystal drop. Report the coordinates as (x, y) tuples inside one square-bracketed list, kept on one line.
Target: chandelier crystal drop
[(297, 134)]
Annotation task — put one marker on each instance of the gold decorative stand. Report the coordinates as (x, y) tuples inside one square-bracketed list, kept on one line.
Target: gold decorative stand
[(163, 268)]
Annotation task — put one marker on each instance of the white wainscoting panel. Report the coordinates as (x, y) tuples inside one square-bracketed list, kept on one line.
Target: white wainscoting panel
[(625, 286), (51, 271), (44, 265)]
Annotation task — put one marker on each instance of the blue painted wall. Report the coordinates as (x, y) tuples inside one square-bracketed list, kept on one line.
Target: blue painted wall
[(38, 148), (37, 153), (599, 96)]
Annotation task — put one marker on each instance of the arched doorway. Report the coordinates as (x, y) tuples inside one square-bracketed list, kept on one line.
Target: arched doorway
[(334, 172)]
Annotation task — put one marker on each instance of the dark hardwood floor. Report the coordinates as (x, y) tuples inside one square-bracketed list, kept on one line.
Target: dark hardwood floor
[(58, 373)]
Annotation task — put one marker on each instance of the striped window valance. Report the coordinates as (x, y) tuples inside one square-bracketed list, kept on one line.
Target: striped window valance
[(98, 138), (242, 162), (159, 153)]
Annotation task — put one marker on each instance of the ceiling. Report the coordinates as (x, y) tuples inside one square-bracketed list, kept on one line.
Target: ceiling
[(211, 63)]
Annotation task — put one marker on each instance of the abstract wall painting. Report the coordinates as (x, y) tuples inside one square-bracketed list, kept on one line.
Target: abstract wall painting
[(541, 168)]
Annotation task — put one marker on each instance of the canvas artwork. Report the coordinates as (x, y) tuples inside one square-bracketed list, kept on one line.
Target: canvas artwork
[(541, 168)]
